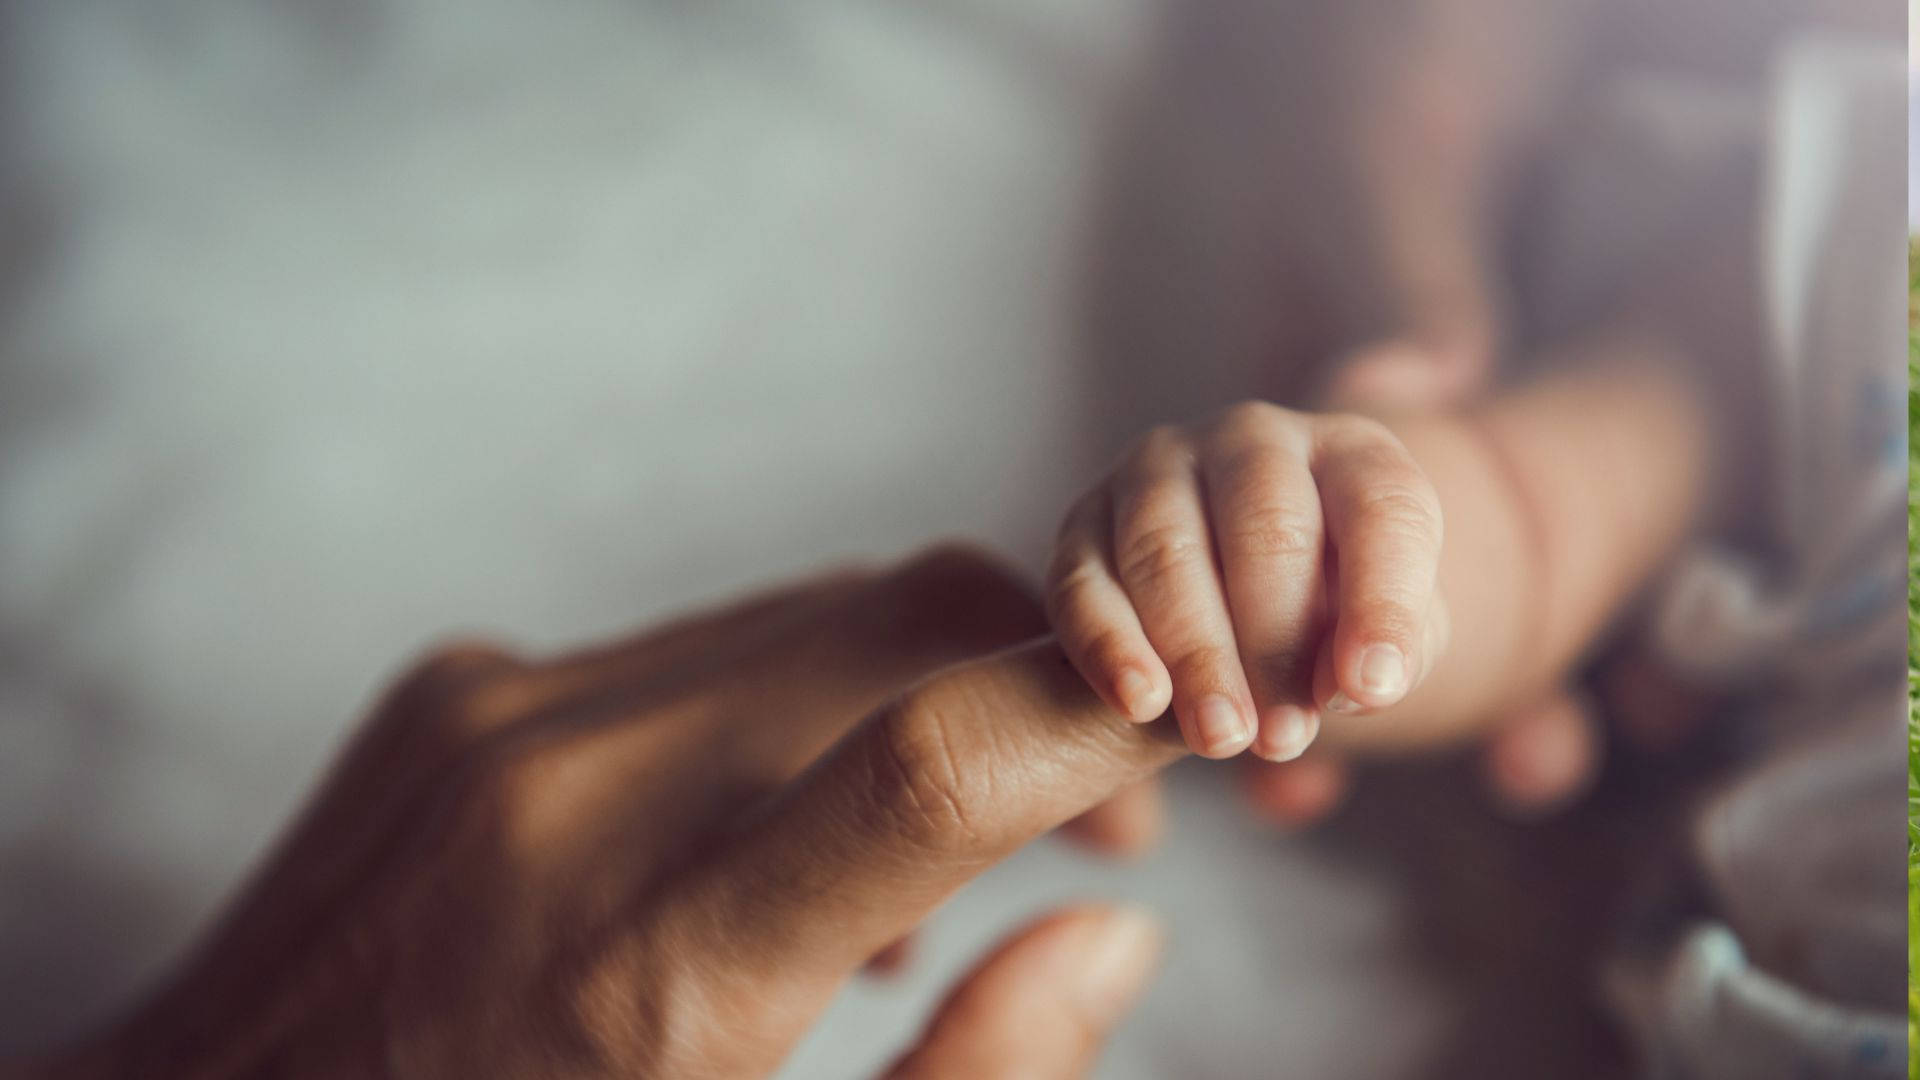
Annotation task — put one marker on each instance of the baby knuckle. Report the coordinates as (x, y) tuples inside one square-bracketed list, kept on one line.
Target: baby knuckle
[(1204, 664), (1409, 511), (1069, 588), (1158, 440), (1249, 419), (1272, 531), (1077, 519), (1355, 430), (1160, 553), (1250, 466), (1109, 649)]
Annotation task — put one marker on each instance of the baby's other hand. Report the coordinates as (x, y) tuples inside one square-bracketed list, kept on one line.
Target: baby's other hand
[(1206, 572)]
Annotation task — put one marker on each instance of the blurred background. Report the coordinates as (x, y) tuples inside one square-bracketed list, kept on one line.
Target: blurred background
[(330, 329)]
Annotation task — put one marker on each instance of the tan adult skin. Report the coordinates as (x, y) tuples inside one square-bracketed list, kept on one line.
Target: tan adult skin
[(613, 863)]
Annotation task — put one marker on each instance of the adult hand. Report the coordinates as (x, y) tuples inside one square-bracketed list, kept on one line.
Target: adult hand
[(662, 857)]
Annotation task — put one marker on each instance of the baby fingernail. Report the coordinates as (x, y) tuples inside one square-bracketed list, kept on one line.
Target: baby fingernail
[(1288, 731), (1342, 704), (1134, 688), (1221, 727), (1383, 671)]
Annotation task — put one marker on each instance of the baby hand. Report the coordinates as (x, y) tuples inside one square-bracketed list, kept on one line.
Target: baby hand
[(1206, 571)]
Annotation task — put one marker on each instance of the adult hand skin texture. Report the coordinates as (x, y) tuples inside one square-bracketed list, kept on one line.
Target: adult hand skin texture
[(663, 856)]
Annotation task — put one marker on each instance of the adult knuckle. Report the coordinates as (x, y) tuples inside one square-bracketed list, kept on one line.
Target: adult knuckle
[(962, 596), (920, 783), (460, 656), (452, 669), (491, 708), (512, 781), (520, 794), (951, 562), (651, 1002), (622, 1003), (457, 691)]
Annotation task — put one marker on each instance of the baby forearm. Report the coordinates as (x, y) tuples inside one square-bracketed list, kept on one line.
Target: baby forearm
[(1561, 499)]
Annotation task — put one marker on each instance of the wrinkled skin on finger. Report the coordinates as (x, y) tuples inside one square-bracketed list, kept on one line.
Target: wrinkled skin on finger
[(470, 891)]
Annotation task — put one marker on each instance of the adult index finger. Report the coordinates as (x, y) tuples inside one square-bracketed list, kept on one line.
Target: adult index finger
[(931, 790)]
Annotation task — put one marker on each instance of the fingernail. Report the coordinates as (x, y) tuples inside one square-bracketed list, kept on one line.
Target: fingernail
[(1287, 732), (1117, 964), (1220, 725), (1383, 672), (1342, 704), (1134, 689)]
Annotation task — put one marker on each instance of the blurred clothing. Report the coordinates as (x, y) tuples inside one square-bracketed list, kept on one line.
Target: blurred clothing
[(1798, 967)]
